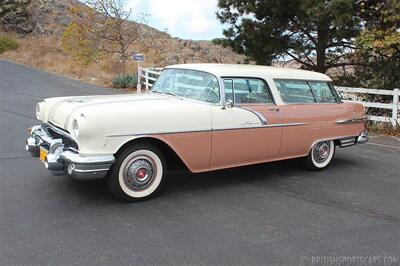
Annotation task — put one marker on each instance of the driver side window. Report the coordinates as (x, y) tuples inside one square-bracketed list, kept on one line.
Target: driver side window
[(247, 91)]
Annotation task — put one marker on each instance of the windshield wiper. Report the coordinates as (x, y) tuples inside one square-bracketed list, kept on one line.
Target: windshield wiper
[(170, 93), (166, 93)]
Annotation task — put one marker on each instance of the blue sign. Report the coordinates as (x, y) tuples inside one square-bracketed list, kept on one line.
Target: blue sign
[(138, 58)]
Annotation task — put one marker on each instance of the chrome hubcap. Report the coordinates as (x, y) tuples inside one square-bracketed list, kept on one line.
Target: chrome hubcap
[(321, 151), (139, 172)]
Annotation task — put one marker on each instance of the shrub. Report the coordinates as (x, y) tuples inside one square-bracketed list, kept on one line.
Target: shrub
[(123, 81), (383, 128), (7, 44)]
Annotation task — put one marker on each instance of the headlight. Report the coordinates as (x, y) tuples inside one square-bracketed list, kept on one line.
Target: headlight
[(38, 111), (75, 128)]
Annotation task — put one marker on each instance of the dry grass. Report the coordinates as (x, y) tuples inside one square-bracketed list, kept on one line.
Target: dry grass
[(383, 128), (46, 53)]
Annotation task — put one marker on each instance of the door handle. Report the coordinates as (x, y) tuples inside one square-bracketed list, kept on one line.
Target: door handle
[(276, 109)]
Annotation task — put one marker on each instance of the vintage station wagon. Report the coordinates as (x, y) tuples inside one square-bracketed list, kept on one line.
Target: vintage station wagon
[(199, 117)]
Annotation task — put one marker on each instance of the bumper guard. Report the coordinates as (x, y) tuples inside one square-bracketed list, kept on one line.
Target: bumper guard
[(62, 160), (363, 138)]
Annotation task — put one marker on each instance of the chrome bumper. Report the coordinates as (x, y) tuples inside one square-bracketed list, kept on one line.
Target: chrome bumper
[(363, 138), (62, 160), (350, 141)]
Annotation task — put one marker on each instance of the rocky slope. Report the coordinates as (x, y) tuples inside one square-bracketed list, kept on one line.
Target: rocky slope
[(38, 18), (14, 16)]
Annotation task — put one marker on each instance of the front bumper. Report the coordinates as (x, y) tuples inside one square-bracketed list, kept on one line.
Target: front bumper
[(61, 159)]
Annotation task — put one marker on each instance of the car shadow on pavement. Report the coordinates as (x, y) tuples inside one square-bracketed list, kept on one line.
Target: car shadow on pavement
[(182, 182), (267, 174)]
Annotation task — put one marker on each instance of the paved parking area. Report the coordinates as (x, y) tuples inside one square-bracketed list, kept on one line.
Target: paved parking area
[(271, 214)]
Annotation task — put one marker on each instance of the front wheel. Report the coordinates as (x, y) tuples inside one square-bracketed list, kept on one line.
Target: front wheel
[(138, 173), (321, 155)]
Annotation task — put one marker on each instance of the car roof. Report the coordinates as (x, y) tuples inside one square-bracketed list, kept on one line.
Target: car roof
[(229, 70)]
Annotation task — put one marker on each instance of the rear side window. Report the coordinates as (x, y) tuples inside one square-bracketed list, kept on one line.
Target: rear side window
[(295, 91), (298, 91), (247, 91), (323, 92)]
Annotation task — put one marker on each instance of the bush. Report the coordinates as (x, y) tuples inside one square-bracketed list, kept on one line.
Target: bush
[(383, 128), (123, 81), (7, 44)]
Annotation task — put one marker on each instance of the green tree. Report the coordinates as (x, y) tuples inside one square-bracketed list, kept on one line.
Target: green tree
[(379, 44), (318, 34)]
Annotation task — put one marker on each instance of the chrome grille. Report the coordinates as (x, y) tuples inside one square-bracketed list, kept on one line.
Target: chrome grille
[(59, 133)]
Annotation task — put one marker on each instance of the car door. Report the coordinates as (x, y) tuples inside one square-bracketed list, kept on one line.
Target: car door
[(310, 111), (245, 133)]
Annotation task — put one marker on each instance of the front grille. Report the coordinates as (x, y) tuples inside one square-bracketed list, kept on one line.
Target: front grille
[(59, 133)]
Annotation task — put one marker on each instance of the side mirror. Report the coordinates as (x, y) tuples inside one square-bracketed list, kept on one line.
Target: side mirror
[(228, 104)]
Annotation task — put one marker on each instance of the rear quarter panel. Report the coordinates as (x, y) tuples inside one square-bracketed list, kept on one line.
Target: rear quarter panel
[(321, 123)]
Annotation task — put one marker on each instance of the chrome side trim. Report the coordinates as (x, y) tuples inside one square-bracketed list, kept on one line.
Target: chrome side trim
[(351, 121), (206, 130), (287, 124), (157, 133), (263, 126), (263, 120)]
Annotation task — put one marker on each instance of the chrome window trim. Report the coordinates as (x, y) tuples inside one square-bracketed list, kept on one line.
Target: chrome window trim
[(294, 80), (184, 98), (250, 77), (313, 92), (335, 92), (331, 88), (330, 85)]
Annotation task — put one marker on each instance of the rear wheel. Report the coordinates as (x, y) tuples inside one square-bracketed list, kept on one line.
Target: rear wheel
[(138, 173), (321, 155)]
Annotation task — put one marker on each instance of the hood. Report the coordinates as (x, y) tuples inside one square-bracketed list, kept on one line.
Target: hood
[(60, 109)]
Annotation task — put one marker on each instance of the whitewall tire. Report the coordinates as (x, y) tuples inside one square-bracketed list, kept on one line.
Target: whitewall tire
[(321, 155), (138, 173)]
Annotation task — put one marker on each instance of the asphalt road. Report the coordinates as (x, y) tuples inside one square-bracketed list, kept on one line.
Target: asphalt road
[(275, 214)]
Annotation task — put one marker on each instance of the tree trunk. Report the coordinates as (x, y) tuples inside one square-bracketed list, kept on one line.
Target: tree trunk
[(321, 60), (323, 33), (123, 64)]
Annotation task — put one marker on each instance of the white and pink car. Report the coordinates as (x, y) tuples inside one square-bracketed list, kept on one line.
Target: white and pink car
[(200, 117)]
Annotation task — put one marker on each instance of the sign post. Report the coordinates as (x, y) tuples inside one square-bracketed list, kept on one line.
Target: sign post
[(138, 58)]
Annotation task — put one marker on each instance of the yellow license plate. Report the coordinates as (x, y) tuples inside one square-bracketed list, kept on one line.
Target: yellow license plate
[(43, 154)]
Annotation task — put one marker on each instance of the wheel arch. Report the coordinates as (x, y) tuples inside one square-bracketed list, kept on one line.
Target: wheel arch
[(173, 159)]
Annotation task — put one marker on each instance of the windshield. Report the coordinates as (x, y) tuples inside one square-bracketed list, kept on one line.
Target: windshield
[(196, 85)]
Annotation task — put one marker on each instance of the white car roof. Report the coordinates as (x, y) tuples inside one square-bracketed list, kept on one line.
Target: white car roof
[(226, 70)]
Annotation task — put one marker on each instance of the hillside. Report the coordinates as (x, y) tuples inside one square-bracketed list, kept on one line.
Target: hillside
[(38, 26)]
